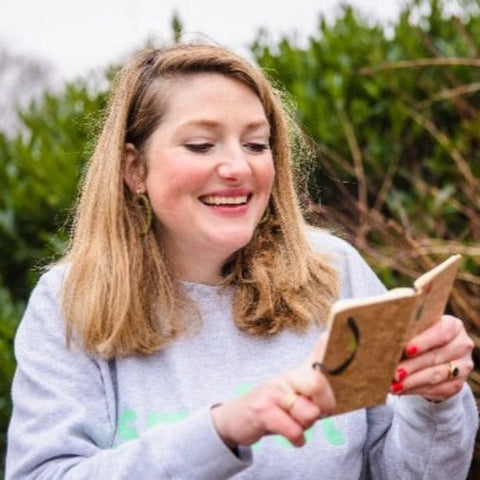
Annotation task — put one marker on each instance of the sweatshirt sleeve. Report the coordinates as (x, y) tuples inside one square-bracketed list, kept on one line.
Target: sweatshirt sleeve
[(412, 438), (62, 425)]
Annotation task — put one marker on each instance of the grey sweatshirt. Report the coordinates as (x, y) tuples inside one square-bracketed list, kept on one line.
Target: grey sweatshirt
[(78, 417)]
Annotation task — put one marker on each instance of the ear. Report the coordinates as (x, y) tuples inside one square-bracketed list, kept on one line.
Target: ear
[(134, 170)]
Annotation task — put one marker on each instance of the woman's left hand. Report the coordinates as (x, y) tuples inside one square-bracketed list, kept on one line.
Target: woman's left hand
[(437, 361)]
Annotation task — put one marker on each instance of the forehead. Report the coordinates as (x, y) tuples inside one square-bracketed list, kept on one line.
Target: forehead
[(201, 93)]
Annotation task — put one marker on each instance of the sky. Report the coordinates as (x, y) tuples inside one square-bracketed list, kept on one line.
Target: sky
[(78, 37)]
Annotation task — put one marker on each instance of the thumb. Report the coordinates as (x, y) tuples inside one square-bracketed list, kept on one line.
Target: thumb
[(319, 350)]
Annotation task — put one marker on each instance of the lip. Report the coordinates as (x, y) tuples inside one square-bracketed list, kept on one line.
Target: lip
[(225, 209), (226, 194), (229, 192), (228, 211)]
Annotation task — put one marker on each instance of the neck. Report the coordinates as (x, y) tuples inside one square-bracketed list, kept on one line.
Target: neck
[(205, 267), (198, 273), (202, 265)]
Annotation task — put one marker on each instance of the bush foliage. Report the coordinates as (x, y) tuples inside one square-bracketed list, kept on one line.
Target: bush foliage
[(395, 124), (393, 116), (39, 170)]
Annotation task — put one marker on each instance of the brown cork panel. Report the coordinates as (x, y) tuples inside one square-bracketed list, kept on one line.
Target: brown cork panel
[(385, 323), (435, 286)]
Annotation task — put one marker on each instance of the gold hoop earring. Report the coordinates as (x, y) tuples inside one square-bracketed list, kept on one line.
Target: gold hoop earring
[(265, 217), (147, 208)]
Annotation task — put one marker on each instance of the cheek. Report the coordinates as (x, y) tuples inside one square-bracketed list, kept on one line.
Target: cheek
[(266, 176), (173, 182), (193, 177)]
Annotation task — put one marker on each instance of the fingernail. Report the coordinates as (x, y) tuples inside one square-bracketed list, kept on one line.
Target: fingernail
[(401, 374), (411, 351), (396, 387)]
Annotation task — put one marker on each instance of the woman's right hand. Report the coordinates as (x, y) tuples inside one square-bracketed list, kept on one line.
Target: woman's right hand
[(286, 405)]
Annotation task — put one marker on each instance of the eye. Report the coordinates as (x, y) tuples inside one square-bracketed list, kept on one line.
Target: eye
[(257, 147), (199, 147)]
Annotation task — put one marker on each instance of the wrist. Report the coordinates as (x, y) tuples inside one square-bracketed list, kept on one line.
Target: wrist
[(220, 424)]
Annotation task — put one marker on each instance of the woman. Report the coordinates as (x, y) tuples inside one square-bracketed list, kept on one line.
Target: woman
[(176, 338)]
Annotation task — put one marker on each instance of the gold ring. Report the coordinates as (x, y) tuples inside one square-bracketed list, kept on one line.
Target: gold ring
[(453, 371), (289, 400)]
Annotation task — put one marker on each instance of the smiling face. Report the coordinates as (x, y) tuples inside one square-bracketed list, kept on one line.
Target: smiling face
[(209, 172)]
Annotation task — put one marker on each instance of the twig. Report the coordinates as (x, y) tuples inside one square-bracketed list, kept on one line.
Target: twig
[(451, 93), (357, 160), (443, 140), (421, 62)]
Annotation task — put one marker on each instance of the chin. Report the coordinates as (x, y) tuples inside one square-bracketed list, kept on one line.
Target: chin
[(236, 241)]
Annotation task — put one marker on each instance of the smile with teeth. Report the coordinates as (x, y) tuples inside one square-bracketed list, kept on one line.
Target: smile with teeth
[(221, 200)]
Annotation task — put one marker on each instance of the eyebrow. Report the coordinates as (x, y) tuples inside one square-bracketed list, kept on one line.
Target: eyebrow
[(214, 124)]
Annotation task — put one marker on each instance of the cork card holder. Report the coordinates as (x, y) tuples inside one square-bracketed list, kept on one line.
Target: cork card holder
[(366, 336)]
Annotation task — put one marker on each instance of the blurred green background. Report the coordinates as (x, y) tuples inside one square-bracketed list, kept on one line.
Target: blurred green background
[(393, 115)]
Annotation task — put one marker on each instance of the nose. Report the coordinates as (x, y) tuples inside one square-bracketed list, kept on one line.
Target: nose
[(234, 163)]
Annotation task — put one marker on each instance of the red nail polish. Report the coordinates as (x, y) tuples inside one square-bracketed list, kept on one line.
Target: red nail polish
[(401, 374), (396, 387), (411, 351)]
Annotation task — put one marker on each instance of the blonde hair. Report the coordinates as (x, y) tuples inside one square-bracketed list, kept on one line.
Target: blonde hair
[(120, 296)]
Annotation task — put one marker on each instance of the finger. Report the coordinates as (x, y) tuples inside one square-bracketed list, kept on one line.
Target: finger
[(262, 411), (439, 392), (313, 385), (280, 422), (443, 380), (439, 334), (436, 375), (459, 347), (305, 412)]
